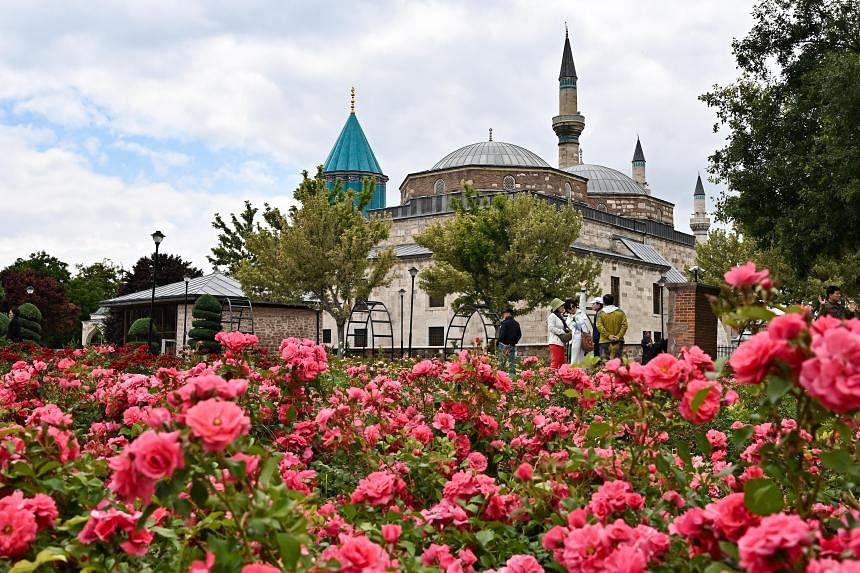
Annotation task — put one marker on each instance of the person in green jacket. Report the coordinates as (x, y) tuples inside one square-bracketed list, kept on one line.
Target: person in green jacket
[(612, 324)]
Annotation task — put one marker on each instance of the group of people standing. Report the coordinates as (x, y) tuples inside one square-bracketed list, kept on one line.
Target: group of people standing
[(572, 334)]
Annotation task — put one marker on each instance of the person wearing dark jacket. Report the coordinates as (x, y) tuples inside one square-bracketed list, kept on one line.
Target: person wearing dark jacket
[(596, 306), (509, 336), (13, 331)]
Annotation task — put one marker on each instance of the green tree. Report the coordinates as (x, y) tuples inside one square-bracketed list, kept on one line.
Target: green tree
[(321, 249), (206, 324), (503, 250), (42, 264), (720, 252), (138, 334), (231, 250), (792, 157), (93, 284)]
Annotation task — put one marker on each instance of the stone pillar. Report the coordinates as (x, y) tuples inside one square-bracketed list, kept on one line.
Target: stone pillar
[(690, 319)]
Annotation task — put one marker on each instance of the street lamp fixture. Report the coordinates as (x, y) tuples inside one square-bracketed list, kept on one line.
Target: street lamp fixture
[(413, 272), (157, 237), (30, 290), (187, 280), (402, 292), (696, 271)]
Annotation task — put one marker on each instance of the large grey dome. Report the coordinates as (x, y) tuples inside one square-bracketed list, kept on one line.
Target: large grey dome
[(606, 180), (495, 153)]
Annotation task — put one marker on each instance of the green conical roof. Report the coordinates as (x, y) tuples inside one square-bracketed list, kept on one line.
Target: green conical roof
[(351, 151)]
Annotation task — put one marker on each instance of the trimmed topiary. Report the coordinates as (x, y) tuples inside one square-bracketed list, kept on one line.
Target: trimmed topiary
[(138, 333), (206, 324), (31, 322)]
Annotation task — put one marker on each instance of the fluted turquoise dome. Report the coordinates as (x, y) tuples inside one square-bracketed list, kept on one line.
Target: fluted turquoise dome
[(351, 151), (352, 160)]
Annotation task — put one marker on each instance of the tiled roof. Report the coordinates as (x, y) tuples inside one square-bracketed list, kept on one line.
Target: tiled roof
[(649, 254), (351, 151), (496, 153)]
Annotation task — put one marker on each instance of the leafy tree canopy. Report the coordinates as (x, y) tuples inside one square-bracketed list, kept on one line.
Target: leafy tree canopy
[(60, 315), (792, 157), (41, 263), (503, 250), (93, 284), (320, 248), (726, 249), (171, 269), (231, 250)]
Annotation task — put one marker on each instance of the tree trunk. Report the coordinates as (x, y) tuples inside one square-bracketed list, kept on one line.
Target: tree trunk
[(341, 336)]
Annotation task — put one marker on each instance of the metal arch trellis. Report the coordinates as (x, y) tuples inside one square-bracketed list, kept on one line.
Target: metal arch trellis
[(237, 315), (460, 321), (374, 317)]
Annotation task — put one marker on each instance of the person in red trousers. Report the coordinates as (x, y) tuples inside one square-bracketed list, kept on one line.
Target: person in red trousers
[(559, 333)]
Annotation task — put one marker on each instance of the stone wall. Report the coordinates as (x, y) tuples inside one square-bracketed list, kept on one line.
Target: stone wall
[(271, 323), (544, 180), (691, 321), (636, 207)]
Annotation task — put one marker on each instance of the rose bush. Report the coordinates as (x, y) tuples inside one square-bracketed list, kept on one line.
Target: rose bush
[(110, 461)]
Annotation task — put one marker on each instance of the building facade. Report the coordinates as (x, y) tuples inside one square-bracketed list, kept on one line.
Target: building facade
[(626, 227)]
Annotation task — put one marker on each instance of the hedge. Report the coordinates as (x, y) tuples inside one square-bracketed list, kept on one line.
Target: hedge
[(31, 322), (206, 324)]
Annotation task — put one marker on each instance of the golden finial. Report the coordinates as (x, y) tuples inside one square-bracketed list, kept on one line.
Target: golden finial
[(352, 100)]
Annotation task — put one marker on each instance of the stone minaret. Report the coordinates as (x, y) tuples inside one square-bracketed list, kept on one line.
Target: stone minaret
[(700, 222), (569, 123), (639, 167)]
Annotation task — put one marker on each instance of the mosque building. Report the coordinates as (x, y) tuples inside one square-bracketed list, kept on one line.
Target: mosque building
[(626, 226)]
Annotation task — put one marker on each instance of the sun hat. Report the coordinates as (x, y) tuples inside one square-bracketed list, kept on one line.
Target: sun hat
[(556, 303), (597, 300)]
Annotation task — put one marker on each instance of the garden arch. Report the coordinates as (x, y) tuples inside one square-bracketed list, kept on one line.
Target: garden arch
[(369, 321), (460, 322)]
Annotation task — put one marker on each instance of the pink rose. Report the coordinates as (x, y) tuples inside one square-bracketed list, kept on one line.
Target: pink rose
[(17, 530), (357, 554), (833, 376), (126, 481), (745, 275), (391, 533), (44, 508), (157, 455), (260, 568), (522, 564), (708, 408), (217, 423), (203, 566), (663, 372), (786, 326), (730, 516), (777, 540), (751, 362), (423, 367), (524, 472), (378, 488)]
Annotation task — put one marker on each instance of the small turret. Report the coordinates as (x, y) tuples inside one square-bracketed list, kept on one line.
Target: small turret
[(699, 222), (639, 167)]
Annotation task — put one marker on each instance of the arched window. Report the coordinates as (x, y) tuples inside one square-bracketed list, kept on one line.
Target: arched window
[(509, 183), (601, 207), (439, 187), (568, 191)]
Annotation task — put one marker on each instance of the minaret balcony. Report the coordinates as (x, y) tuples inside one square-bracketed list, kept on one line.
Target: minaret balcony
[(568, 124)]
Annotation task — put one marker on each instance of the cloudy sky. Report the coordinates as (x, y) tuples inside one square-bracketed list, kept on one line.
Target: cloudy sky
[(120, 118)]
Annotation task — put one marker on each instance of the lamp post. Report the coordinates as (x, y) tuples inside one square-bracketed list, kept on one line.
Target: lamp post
[(696, 271), (187, 280), (662, 283), (413, 272), (157, 237), (30, 290), (402, 292)]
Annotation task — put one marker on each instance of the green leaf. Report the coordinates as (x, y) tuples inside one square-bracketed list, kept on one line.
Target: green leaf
[(730, 549), (571, 393), (684, 452), (703, 444), (485, 536), (841, 462), (762, 496), (777, 388), (699, 398), (597, 430), (741, 435), (269, 467), (46, 555), (199, 493), (288, 546)]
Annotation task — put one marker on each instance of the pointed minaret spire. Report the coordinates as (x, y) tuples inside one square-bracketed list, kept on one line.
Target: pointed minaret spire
[(569, 123), (352, 100), (639, 165), (700, 222)]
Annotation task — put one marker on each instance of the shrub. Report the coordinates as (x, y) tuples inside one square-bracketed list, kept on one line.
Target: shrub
[(31, 322), (206, 324), (4, 324), (138, 333)]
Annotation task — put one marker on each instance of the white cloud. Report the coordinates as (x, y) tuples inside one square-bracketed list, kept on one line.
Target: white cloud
[(162, 161)]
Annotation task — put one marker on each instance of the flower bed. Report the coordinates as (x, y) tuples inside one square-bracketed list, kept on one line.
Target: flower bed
[(261, 463)]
